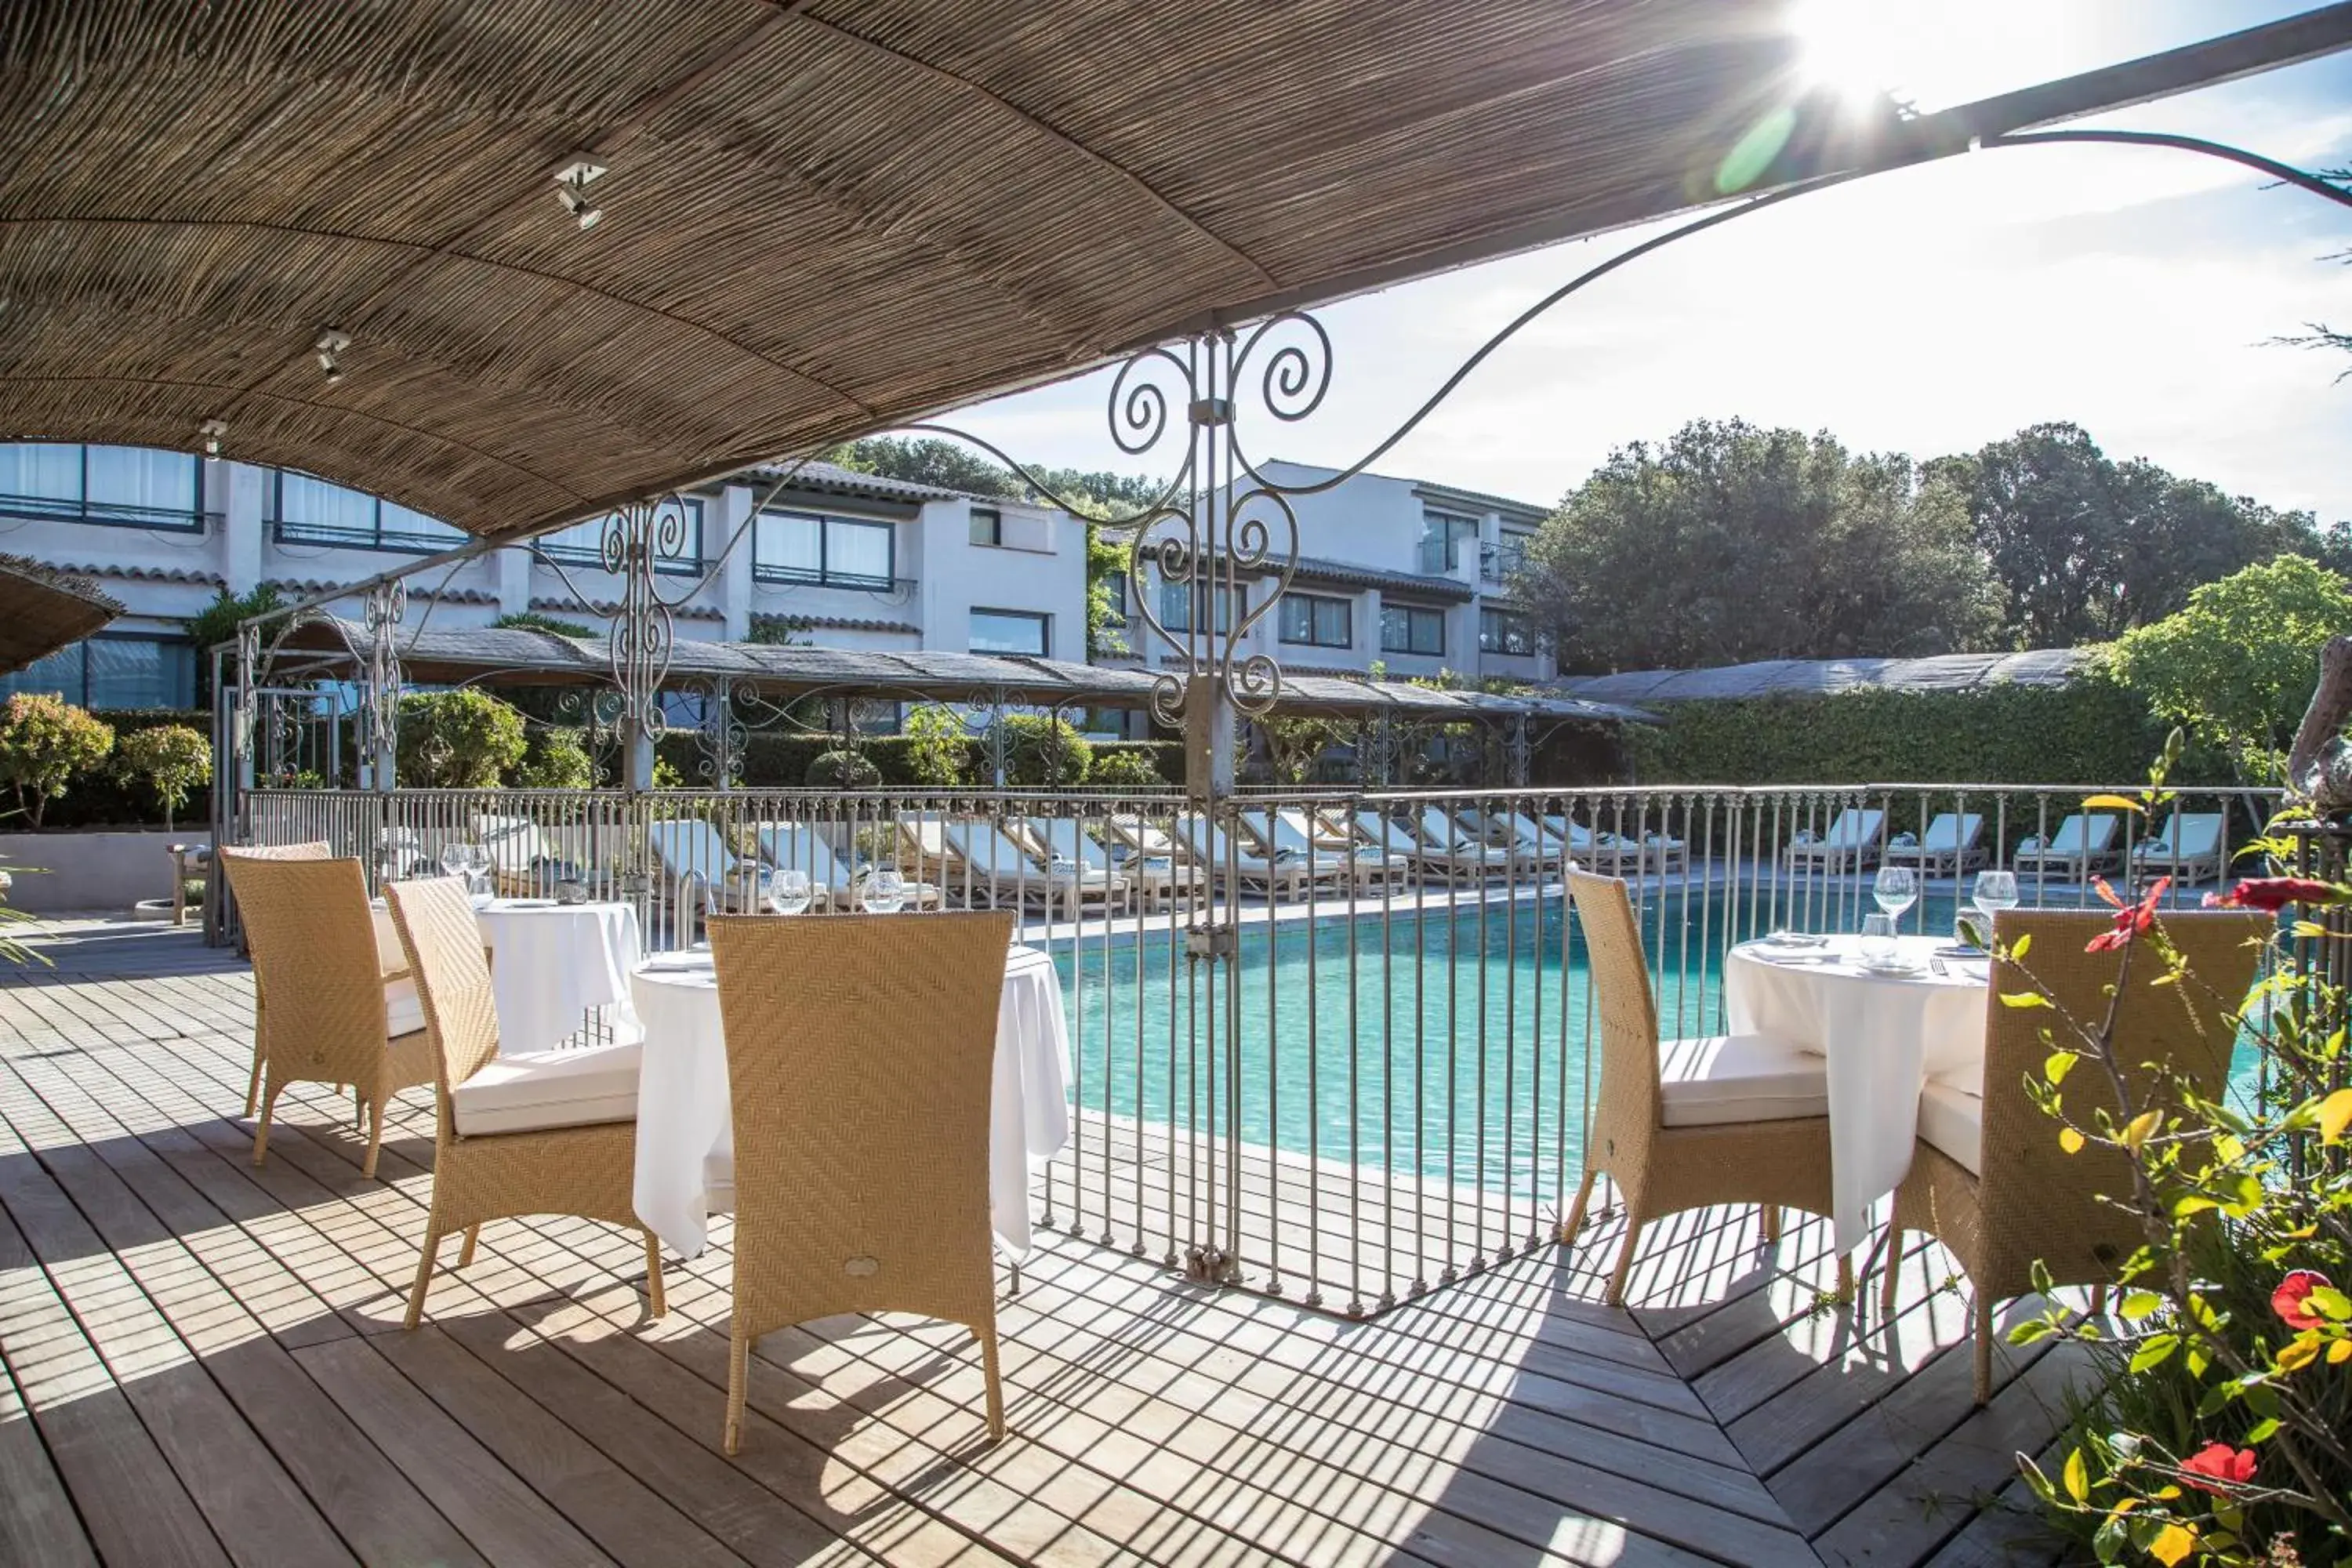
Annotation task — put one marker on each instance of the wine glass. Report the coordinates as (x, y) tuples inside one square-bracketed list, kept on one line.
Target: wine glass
[(1897, 890), (1878, 941), (478, 870), (886, 893), (788, 891), (453, 858), (1996, 891)]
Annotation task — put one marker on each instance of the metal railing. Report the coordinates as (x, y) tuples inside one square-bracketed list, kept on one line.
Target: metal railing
[(1338, 1044)]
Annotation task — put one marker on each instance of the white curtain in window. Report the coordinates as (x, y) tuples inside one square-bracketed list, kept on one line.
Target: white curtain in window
[(315, 504), (41, 470), (140, 479), (398, 519), (858, 550), (785, 539)]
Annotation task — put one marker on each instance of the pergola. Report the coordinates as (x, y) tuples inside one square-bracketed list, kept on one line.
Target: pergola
[(43, 609)]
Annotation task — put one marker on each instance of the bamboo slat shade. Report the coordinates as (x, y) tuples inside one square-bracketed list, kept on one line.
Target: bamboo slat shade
[(819, 217), (42, 609)]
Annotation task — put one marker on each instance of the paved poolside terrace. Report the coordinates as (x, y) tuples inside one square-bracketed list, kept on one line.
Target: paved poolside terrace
[(203, 1365)]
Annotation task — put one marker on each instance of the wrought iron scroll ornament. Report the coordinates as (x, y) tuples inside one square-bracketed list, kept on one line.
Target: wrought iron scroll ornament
[(721, 737), (379, 713), (636, 537)]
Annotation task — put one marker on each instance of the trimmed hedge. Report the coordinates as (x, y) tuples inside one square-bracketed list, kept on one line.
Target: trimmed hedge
[(102, 798), (782, 762), (2090, 732)]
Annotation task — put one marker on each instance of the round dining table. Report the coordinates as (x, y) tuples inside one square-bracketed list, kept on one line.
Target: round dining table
[(686, 1135), (1882, 1033), (551, 964)]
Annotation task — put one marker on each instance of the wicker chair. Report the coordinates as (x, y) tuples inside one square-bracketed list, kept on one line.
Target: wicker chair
[(1690, 1123), (315, 851), (333, 1013), (1987, 1178), (860, 1050), (545, 1133)]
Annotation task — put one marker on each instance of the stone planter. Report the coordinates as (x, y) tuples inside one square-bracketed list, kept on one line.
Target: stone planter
[(102, 871)]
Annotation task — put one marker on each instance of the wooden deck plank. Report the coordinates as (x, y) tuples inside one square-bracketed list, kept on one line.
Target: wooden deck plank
[(38, 1522)]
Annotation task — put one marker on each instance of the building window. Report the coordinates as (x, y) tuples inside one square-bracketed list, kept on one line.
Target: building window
[(106, 671), (1408, 628), (1502, 561), (1505, 631), (831, 552), (307, 511), (128, 487), (987, 526), (1011, 631), (1177, 605), (1115, 585), (1316, 621), (1442, 533), (678, 540)]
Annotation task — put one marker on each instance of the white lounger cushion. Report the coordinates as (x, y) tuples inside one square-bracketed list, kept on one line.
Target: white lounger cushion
[(538, 1089), (403, 1013), (1953, 1120), (1714, 1079)]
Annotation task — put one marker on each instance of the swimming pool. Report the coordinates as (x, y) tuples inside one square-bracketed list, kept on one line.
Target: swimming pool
[(1451, 1041)]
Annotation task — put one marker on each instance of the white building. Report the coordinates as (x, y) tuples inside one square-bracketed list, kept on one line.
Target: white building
[(848, 560), (1409, 574)]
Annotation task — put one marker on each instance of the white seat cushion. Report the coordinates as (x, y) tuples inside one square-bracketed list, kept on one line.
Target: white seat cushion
[(390, 957), (1953, 1120), (1716, 1079), (539, 1090), (403, 1013)]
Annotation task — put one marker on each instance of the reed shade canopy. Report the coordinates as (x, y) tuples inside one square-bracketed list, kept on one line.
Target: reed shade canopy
[(42, 609), (816, 219)]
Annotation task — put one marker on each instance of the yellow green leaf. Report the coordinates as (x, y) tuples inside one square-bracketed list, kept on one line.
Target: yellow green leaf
[(2340, 1353), (2112, 803), (2139, 1130), (2172, 1544), (2058, 1065), (2070, 1141), (2024, 945), (2077, 1477), (2334, 1115), (2299, 1352), (2023, 999)]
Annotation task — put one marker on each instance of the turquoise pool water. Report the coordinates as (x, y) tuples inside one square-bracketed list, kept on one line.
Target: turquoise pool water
[(1450, 1043)]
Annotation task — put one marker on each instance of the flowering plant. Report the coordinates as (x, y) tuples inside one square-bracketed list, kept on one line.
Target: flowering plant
[(2221, 1429)]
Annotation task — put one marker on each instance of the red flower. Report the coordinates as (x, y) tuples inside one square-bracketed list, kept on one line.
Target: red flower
[(2231, 1466), (2130, 918), (2274, 893), (2288, 1299)]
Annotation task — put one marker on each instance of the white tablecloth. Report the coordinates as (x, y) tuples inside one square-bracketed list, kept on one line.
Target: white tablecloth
[(686, 1136), (1884, 1035), (551, 962)]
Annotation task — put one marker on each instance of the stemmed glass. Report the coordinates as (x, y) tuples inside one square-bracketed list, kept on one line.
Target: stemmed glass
[(1996, 891), (789, 892), (453, 858), (886, 893), (478, 870), (1897, 890)]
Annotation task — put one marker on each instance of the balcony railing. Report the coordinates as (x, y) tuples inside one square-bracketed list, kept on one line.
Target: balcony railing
[(1389, 1084), (1501, 562), (813, 577)]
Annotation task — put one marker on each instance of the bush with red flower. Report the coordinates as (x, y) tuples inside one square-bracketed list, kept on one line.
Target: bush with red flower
[(2221, 1427)]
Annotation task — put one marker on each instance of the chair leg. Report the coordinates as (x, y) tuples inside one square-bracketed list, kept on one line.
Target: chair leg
[(423, 1272), (655, 1299), (466, 1252), (2099, 1299), (359, 1108), (253, 1083), (1615, 1295), (1845, 1278), (1890, 1278), (375, 1137), (1768, 1217), (270, 1093), (1984, 1347), (738, 1377), (995, 1384), (1575, 1220)]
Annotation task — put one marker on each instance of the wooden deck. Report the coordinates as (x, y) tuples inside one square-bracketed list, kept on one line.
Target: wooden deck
[(203, 1364)]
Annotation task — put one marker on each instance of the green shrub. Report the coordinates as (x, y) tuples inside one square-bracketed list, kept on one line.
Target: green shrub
[(938, 748), (44, 742), (172, 760), (457, 740), (1041, 752), (1123, 769), (555, 759), (843, 770)]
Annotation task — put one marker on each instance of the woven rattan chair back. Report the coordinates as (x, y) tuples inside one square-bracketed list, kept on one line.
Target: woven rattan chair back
[(1625, 1114), (2035, 1200), (317, 849), (453, 978), (860, 1050), (315, 958)]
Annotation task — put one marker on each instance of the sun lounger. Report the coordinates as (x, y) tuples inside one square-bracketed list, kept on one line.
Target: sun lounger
[(978, 872), (1949, 848), (1850, 845), (1151, 859), (1463, 855), (1276, 876), (2081, 845), (1384, 836), (1607, 853), (2187, 848), (1036, 872), (695, 859), (1286, 835), (1531, 851), (799, 846)]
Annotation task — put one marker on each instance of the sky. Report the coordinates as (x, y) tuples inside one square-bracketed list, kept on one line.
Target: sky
[(2132, 290)]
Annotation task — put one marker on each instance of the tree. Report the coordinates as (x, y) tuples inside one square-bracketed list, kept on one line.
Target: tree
[(1293, 745), (457, 740), (2236, 667), (174, 760), (778, 631), (555, 758), (939, 749), (1042, 751), (1730, 542), (216, 623), (44, 742)]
